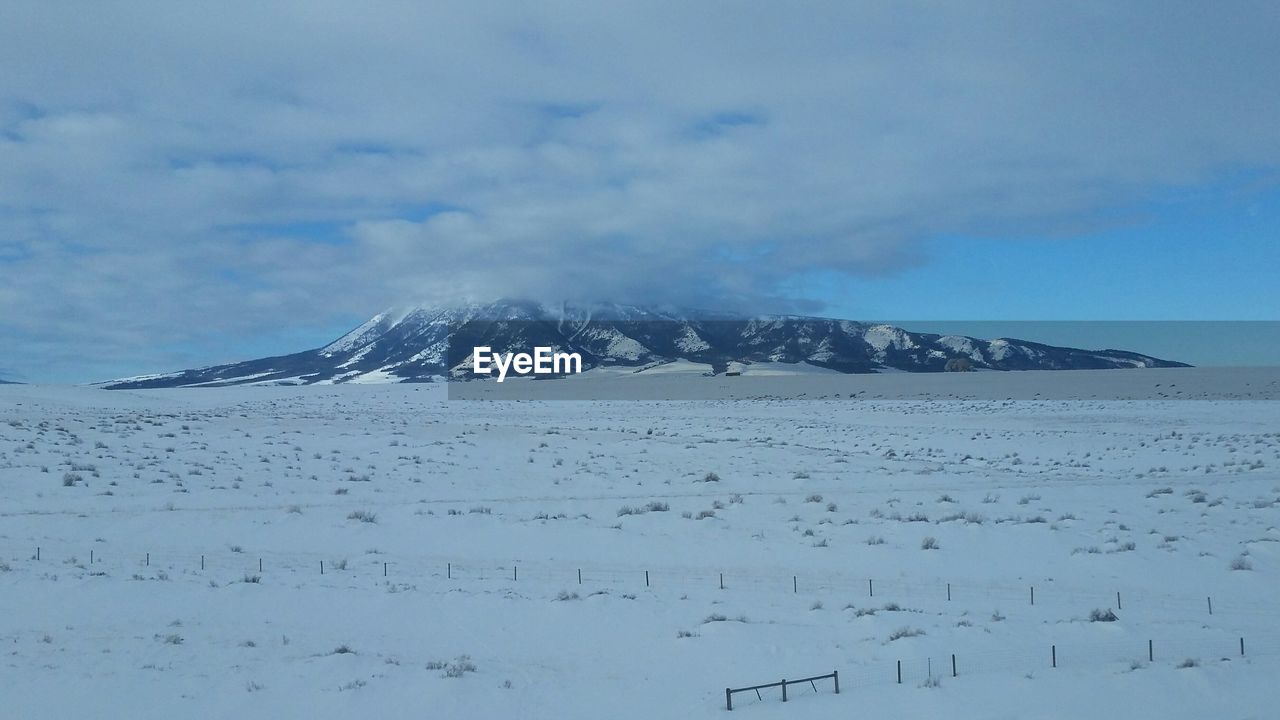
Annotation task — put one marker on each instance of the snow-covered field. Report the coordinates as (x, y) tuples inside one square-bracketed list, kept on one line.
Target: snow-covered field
[(161, 553)]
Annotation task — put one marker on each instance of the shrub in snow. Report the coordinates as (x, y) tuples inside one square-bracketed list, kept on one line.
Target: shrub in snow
[(460, 666), (711, 477), (353, 685), (929, 543), (1241, 563), (1188, 663), (1102, 616), (905, 632)]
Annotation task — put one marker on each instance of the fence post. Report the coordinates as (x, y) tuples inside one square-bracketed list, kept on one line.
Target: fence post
[(202, 562), (871, 590), (953, 664), (728, 699), (1210, 605), (646, 578), (37, 552), (836, 675), (259, 564), (448, 571), (1053, 655), (1241, 647), (148, 559), (1118, 605), (948, 592), (722, 587), (515, 573), (579, 576), (795, 585), (1033, 594), (784, 689), (899, 672), (384, 569), (1151, 652), (90, 556)]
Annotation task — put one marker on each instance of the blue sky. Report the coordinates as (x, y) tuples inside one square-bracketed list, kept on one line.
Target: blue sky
[(1192, 277), (1206, 253), (184, 185)]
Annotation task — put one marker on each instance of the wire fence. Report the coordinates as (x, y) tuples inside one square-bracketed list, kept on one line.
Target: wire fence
[(736, 579), (917, 665), (863, 591), (926, 668)]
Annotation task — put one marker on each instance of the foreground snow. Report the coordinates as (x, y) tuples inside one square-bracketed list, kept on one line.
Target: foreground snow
[(481, 515)]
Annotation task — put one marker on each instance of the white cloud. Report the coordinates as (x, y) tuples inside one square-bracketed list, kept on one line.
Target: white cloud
[(156, 159)]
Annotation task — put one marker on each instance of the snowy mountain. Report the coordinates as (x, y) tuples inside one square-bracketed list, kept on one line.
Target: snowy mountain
[(422, 343)]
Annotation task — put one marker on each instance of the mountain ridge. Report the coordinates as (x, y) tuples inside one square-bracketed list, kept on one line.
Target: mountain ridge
[(425, 343)]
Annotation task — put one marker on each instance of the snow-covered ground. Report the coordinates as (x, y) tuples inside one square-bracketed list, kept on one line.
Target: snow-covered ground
[(133, 526)]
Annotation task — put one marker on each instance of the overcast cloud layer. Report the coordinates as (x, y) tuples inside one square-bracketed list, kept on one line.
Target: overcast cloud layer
[(170, 176)]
